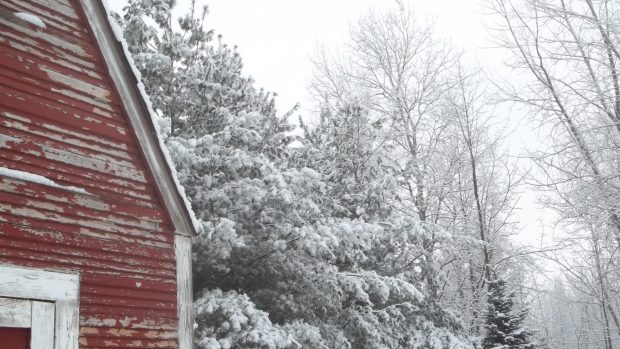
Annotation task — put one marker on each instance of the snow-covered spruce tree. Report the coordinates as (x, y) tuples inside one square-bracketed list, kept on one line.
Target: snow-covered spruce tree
[(276, 265), (504, 324), (439, 141), (346, 146)]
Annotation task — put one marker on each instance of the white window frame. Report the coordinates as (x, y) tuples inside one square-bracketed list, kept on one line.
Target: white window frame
[(35, 315), (45, 301)]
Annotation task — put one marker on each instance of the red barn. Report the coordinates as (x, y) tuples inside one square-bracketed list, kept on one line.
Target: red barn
[(95, 234)]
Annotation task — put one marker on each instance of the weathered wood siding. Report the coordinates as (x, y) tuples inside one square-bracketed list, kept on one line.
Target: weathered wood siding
[(61, 118)]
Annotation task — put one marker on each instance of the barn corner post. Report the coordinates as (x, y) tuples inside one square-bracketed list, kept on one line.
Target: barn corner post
[(183, 251)]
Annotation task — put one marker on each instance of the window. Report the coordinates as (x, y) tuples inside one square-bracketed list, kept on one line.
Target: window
[(25, 322), (39, 304)]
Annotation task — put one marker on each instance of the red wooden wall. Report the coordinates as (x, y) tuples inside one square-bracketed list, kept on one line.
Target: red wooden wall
[(15, 338), (61, 118)]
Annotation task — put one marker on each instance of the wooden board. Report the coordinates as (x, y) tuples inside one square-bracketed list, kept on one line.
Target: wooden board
[(15, 313)]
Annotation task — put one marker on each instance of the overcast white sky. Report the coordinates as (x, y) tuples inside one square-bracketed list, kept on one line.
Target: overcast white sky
[(277, 38)]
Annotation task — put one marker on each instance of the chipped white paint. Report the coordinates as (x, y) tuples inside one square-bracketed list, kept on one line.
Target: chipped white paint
[(134, 221), (137, 197), (85, 99), (132, 185), (60, 53), (92, 163), (51, 39), (98, 322), (183, 251), (88, 137), (64, 2), (116, 237), (126, 322), (4, 141), (55, 322), (83, 161), (130, 267), (91, 202), (64, 63), (15, 313), (35, 178), (42, 334), (15, 116), (23, 39), (44, 205), (84, 136), (101, 151), (65, 9), (105, 226), (38, 284), (30, 18), (95, 91), (93, 120), (70, 142), (67, 324)]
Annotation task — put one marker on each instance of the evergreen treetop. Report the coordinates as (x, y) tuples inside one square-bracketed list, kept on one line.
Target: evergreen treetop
[(504, 324)]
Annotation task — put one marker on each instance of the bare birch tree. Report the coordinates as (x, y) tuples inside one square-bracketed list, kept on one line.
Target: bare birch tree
[(568, 50), (487, 180), (438, 140)]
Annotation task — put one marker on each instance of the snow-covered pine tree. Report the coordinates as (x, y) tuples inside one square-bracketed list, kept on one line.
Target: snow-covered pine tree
[(277, 266), (505, 328), (226, 142), (347, 147)]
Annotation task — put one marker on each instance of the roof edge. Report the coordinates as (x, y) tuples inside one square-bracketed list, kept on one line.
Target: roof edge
[(140, 113)]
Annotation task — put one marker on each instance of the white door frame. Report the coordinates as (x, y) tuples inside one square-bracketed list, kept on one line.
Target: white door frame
[(48, 298)]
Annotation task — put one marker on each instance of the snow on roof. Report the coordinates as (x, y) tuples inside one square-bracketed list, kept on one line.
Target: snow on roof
[(118, 33)]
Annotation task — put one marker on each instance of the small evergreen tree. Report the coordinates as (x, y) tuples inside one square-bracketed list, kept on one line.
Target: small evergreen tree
[(505, 326)]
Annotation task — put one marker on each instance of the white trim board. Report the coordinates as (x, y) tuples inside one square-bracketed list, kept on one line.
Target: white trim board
[(38, 284), (183, 252), (61, 293), (15, 313)]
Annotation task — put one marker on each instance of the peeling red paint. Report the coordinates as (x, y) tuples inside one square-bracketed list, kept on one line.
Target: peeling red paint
[(61, 118)]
